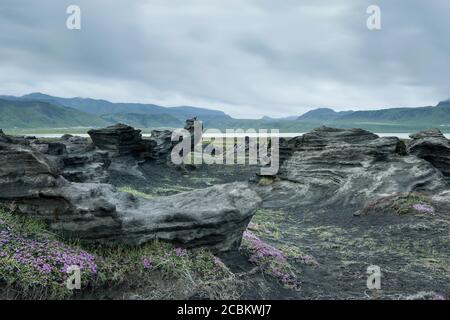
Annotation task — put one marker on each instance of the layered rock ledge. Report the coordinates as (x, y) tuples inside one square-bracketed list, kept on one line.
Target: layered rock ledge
[(214, 217), (120, 139), (431, 145), (341, 169)]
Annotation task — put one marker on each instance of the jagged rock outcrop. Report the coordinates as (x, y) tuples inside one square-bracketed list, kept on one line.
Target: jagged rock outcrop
[(123, 140), (338, 168), (432, 146), (50, 148), (162, 144), (83, 162), (76, 158), (195, 129), (214, 217), (119, 139)]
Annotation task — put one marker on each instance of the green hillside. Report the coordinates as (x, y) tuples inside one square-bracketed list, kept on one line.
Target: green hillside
[(104, 107), (383, 120), (36, 114), (36, 111)]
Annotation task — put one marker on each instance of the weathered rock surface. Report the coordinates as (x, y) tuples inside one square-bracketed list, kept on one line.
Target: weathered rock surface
[(120, 139), (123, 140), (76, 157), (195, 129), (342, 169), (214, 217), (162, 144), (432, 146)]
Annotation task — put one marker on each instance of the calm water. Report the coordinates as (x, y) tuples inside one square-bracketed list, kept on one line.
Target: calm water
[(291, 134)]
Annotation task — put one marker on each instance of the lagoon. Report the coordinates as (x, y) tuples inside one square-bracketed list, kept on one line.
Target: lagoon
[(206, 135)]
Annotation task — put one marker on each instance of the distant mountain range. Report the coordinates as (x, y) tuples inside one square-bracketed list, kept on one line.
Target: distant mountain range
[(323, 115), (419, 117), (38, 114), (43, 111)]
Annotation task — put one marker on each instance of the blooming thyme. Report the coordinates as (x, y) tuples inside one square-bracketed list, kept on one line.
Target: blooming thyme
[(261, 250), (47, 260), (423, 208), (179, 252), (306, 259), (146, 263), (271, 260)]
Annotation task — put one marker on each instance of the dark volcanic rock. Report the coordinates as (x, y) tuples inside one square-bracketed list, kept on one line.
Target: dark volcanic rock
[(161, 144), (190, 125), (76, 158), (432, 146), (324, 136), (342, 169), (195, 132), (320, 138), (50, 148), (214, 217), (119, 138)]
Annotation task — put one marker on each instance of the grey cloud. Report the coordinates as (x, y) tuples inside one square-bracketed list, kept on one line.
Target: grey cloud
[(247, 57)]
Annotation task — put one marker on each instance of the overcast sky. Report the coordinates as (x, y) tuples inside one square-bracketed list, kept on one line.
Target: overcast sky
[(248, 58)]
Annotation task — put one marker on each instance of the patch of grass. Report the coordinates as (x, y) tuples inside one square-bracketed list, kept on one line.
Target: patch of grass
[(206, 180), (135, 192), (266, 181), (268, 229), (25, 226), (269, 224), (402, 203), (170, 190), (198, 274), (297, 255)]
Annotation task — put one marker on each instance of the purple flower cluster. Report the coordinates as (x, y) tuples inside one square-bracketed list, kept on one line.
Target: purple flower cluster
[(424, 208), (261, 250), (272, 260), (180, 252), (45, 256), (286, 278), (306, 259), (146, 263)]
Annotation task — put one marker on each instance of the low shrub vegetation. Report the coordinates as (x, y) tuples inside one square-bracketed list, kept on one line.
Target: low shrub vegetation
[(34, 264), (412, 202), (135, 192), (271, 260), (401, 204)]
